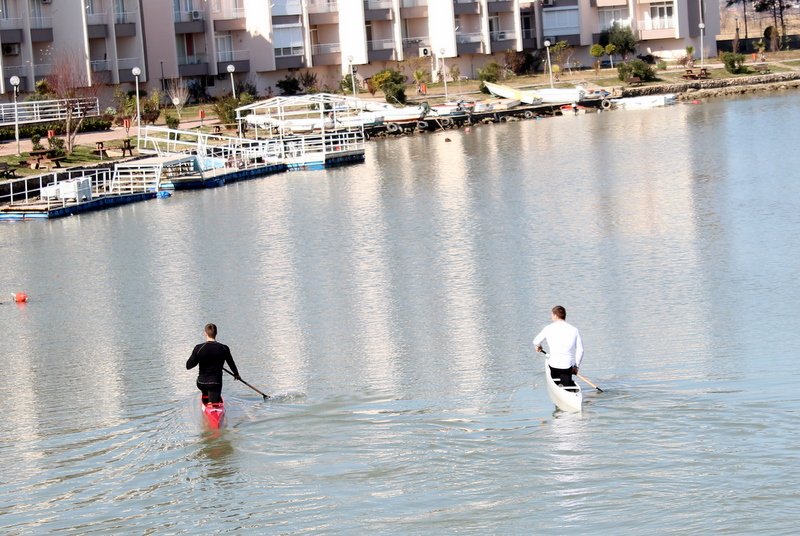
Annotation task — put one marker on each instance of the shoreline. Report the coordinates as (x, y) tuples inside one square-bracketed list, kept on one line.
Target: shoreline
[(717, 88)]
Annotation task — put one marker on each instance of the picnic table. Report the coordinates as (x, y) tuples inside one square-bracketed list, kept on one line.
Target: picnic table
[(44, 158)]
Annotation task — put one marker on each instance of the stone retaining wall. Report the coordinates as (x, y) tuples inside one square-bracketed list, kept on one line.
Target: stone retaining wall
[(695, 89)]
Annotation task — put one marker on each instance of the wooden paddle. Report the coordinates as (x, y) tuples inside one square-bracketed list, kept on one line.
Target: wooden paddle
[(247, 384), (581, 377)]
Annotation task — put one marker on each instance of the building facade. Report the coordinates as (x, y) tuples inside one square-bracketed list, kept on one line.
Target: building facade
[(103, 38), (263, 41)]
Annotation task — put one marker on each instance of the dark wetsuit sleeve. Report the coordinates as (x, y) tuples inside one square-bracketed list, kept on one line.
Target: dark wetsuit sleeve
[(193, 359), (229, 360)]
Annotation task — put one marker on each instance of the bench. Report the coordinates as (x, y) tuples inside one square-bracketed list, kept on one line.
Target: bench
[(690, 75), (761, 68), (126, 147), (634, 81), (7, 171)]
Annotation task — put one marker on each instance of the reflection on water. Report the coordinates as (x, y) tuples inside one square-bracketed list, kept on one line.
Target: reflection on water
[(393, 304)]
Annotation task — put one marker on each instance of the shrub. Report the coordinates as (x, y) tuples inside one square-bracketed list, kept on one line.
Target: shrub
[(225, 109), (346, 85), (289, 85), (661, 65), (393, 85), (636, 68), (172, 121), (490, 73), (36, 140), (56, 145), (734, 63)]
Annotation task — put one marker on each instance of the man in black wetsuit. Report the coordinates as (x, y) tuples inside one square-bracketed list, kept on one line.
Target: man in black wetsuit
[(211, 356)]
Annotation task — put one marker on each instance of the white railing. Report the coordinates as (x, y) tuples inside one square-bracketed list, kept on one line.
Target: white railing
[(233, 55), (322, 6), (30, 190), (667, 23), (529, 33), (230, 9), (475, 37), (47, 110), (326, 48), (414, 3), (380, 44), (11, 70), (286, 7)]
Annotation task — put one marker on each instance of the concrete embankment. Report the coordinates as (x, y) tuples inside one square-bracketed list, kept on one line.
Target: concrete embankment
[(702, 89)]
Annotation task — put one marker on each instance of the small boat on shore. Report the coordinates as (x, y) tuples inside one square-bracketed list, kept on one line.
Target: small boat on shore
[(528, 96), (565, 398), (214, 412), (646, 101)]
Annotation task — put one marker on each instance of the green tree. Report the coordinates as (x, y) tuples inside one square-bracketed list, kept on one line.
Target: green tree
[(637, 68), (621, 37), (734, 63), (776, 7), (490, 72), (611, 49), (597, 52), (393, 85)]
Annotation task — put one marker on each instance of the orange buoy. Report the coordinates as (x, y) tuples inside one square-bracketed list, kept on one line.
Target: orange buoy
[(695, 101), (20, 297)]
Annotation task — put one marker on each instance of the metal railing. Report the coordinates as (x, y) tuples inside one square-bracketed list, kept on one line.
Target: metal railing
[(380, 44), (47, 110), (11, 70), (126, 17), (192, 59), (475, 37), (529, 33), (326, 48), (42, 69), (422, 41), (96, 18), (189, 16), (378, 4), (11, 24), (233, 55), (129, 63), (665, 23), (322, 6), (42, 190), (230, 9), (414, 3), (101, 65), (502, 35), (41, 22)]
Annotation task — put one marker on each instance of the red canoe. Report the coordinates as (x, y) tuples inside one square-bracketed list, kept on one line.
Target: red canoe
[(214, 412)]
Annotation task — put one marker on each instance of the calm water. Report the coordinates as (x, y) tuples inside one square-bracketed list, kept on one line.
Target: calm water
[(389, 307)]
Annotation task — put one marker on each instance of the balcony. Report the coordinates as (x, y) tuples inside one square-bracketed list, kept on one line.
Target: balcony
[(377, 10), (193, 65), (661, 28), (41, 29), (96, 25), (500, 36), (469, 43), (11, 30), (125, 66), (189, 22), (467, 7), (380, 50), (327, 53), (240, 59), (413, 43), (322, 6), (609, 3), (501, 7), (529, 38), (413, 3), (291, 57), (283, 8), (42, 70)]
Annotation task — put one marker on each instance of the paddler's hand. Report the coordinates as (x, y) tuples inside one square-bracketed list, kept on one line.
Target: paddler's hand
[(539, 349), (237, 377), (575, 369)]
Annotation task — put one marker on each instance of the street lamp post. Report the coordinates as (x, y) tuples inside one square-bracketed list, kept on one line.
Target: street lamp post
[(352, 76), (702, 46), (231, 69), (549, 66), (136, 72), (15, 82), (444, 73)]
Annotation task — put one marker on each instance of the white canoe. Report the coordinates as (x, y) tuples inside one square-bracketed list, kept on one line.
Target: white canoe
[(527, 96), (565, 399), (646, 101)]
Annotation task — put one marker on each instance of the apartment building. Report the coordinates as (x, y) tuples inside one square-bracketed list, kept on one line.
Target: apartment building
[(263, 41), (103, 37)]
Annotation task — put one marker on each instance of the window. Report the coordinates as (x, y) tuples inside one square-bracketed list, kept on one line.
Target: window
[(660, 16), (224, 42), (4, 14), (608, 16), (288, 40)]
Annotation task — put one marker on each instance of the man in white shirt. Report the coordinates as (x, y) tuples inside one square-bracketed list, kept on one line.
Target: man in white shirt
[(566, 348)]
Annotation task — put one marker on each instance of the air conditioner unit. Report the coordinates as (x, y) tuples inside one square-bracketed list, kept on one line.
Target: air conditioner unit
[(196, 15), (11, 49), (424, 51), (548, 3)]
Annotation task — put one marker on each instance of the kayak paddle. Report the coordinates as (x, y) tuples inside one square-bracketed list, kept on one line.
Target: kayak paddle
[(247, 384), (581, 377)]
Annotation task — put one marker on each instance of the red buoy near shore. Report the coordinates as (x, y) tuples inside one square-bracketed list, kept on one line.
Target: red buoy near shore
[(20, 297)]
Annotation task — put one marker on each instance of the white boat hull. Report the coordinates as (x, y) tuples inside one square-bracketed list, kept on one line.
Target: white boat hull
[(506, 92), (565, 400), (645, 102)]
